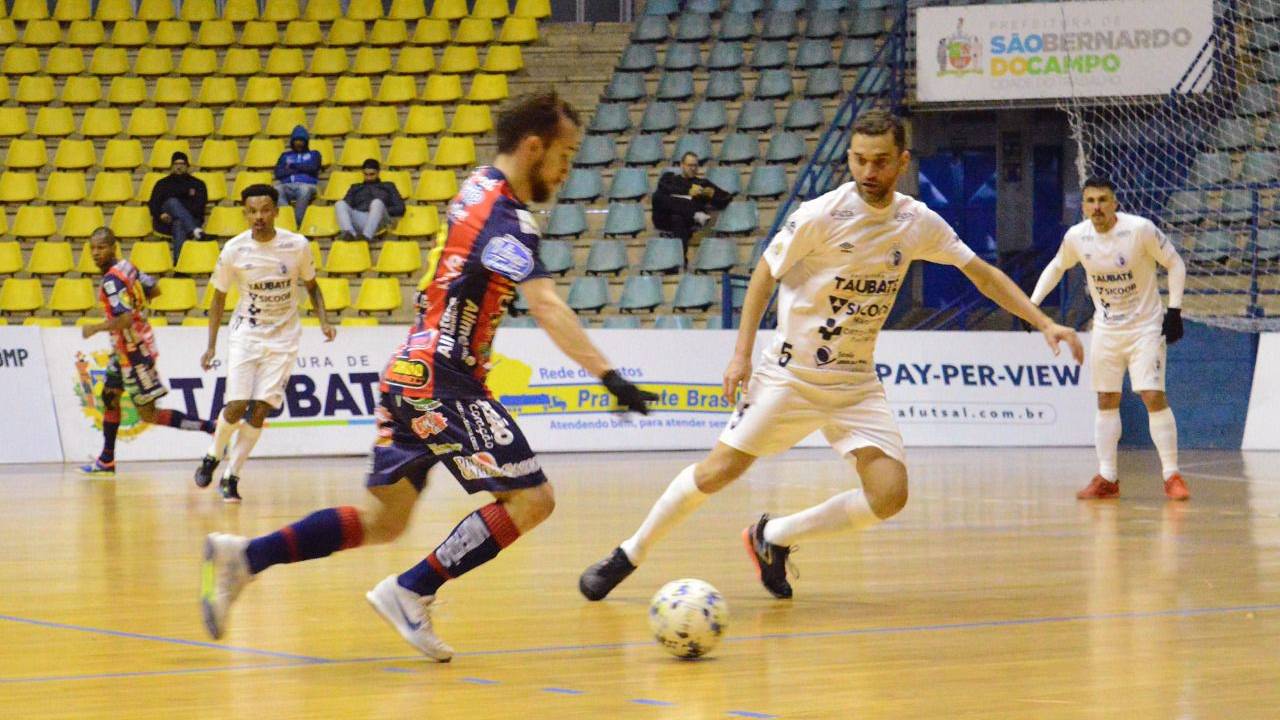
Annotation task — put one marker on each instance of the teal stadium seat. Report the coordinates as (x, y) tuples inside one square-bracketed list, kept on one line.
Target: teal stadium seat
[(694, 293), (724, 85), (589, 293), (596, 150), (774, 84), (814, 53), (716, 254), (583, 185), (770, 54), (779, 25), (785, 147), (739, 148), (767, 181), (624, 219), (625, 87), (663, 256), (857, 52), (665, 8), (629, 184), (556, 256), (726, 178), (621, 322), (682, 57), (607, 257), (641, 293), (736, 27), (610, 118), (726, 55), (803, 114), (708, 116), (638, 58), (650, 29), (659, 117), (756, 116), (823, 24), (739, 218), (696, 143), (645, 150), (566, 221), (673, 322), (675, 86), (693, 27)]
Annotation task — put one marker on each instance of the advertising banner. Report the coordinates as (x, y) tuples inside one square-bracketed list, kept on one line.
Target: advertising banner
[(1262, 425), (1062, 49), (28, 426)]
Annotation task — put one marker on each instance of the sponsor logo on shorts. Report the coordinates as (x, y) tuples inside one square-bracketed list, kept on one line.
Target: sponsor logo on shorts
[(444, 448), (429, 424), (483, 466), (408, 373)]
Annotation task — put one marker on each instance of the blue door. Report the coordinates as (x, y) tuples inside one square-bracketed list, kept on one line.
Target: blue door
[(961, 187)]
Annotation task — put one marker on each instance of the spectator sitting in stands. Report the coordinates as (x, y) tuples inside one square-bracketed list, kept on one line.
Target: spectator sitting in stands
[(370, 204), (178, 203), (298, 173), (681, 202)]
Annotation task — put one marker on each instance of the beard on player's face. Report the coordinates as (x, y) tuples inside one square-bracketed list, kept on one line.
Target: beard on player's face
[(539, 188)]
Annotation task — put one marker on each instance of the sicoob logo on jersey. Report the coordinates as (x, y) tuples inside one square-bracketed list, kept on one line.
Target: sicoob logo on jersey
[(408, 373), (508, 256)]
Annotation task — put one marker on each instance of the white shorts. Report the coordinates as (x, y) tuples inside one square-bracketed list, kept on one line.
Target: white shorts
[(1141, 352), (780, 410), (255, 372)]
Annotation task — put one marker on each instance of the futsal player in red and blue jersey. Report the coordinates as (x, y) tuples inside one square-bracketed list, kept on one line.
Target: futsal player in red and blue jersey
[(434, 405), (124, 294)]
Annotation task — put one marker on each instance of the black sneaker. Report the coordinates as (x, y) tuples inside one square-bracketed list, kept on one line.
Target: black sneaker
[(599, 579), (230, 489), (770, 559), (204, 474)]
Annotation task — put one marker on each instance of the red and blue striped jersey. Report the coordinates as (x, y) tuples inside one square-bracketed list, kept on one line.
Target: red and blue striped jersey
[(492, 245), (124, 289)]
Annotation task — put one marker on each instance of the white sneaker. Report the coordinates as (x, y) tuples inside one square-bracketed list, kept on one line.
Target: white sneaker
[(701, 218), (410, 614), (197, 233), (224, 574)]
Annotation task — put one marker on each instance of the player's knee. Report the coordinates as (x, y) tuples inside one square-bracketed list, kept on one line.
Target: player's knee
[(234, 411), (1108, 401), (382, 525), (889, 499), (1155, 400), (720, 468), (541, 503)]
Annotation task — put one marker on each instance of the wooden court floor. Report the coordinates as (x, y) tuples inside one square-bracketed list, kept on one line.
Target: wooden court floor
[(993, 595)]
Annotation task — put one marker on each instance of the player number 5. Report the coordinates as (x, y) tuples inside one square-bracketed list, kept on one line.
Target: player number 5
[(784, 356)]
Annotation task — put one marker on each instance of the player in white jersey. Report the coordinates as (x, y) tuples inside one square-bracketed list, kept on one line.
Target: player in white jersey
[(839, 262), (267, 264), (1131, 326)]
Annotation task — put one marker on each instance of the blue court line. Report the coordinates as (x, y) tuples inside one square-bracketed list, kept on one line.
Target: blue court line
[(398, 670), (654, 703), (563, 691), (148, 673), (478, 681), (749, 714)]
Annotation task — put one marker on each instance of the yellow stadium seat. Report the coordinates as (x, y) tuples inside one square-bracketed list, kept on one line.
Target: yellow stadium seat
[(424, 120), (193, 122), (154, 257), (215, 182), (21, 295), (155, 10), (30, 10), (198, 61), (503, 59), (42, 33), (322, 10), (415, 61), (198, 257), (198, 10), (262, 153), (240, 10), (471, 120), (259, 33), (10, 257), (64, 61), (155, 62), (26, 155), (378, 120), (36, 221), (113, 10), (81, 91), (418, 221), (455, 152), (217, 91), (35, 90), (112, 187), (449, 9), (148, 183), (42, 322), (241, 62), (162, 152), (356, 150), (378, 295), (80, 221), (132, 33), (536, 9), (148, 122), (122, 154), (206, 299), (336, 188), (171, 91), (125, 91), (347, 257), (75, 154), (261, 91), (474, 31), (352, 90), (4, 89), (332, 121), (224, 221), (18, 186), (397, 90), (401, 179), (329, 61), (281, 11), (240, 122), (288, 221), (109, 61), (172, 33), (442, 88), (68, 10), (131, 222), (64, 187), (308, 91), (13, 121), (215, 33), (4, 222), (84, 320), (316, 260), (364, 9), (72, 295), (518, 31), (320, 222), (399, 257), (336, 293), (372, 61), (345, 33), (388, 33), (282, 120), (302, 33), (196, 321), (86, 33), (488, 88), (490, 9), (8, 31), (177, 295), (407, 9), (158, 322), (20, 61), (285, 62), (324, 146), (430, 31), (459, 59), (436, 186), (250, 177)]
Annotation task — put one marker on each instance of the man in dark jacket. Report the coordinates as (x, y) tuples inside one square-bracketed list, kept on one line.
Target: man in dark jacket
[(681, 202), (368, 205), (178, 203), (298, 173)]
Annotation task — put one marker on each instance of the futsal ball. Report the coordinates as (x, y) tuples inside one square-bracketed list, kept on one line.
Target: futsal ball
[(688, 617)]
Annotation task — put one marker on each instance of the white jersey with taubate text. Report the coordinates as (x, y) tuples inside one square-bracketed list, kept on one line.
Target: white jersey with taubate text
[(840, 263), (270, 276), (1120, 265)]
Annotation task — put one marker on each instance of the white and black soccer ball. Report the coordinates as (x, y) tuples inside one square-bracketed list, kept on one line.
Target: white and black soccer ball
[(688, 617)]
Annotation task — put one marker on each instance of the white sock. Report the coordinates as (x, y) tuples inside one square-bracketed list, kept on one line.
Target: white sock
[(681, 497), (847, 511), (1106, 436), (245, 440), (1164, 433), (222, 432)]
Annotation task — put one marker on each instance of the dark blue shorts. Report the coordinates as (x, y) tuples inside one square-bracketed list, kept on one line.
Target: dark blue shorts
[(140, 380), (477, 439)]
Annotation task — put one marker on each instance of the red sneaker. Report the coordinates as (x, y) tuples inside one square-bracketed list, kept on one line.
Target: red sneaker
[(1099, 488), (1176, 489)]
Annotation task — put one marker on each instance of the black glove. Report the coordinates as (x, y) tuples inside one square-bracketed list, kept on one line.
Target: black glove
[(629, 396), (1172, 329)]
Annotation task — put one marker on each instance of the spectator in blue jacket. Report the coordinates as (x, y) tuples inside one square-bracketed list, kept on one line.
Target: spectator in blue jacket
[(298, 172), (368, 206)]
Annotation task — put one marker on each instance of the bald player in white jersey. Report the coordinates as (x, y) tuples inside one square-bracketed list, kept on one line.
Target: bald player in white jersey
[(1131, 326), (839, 260)]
